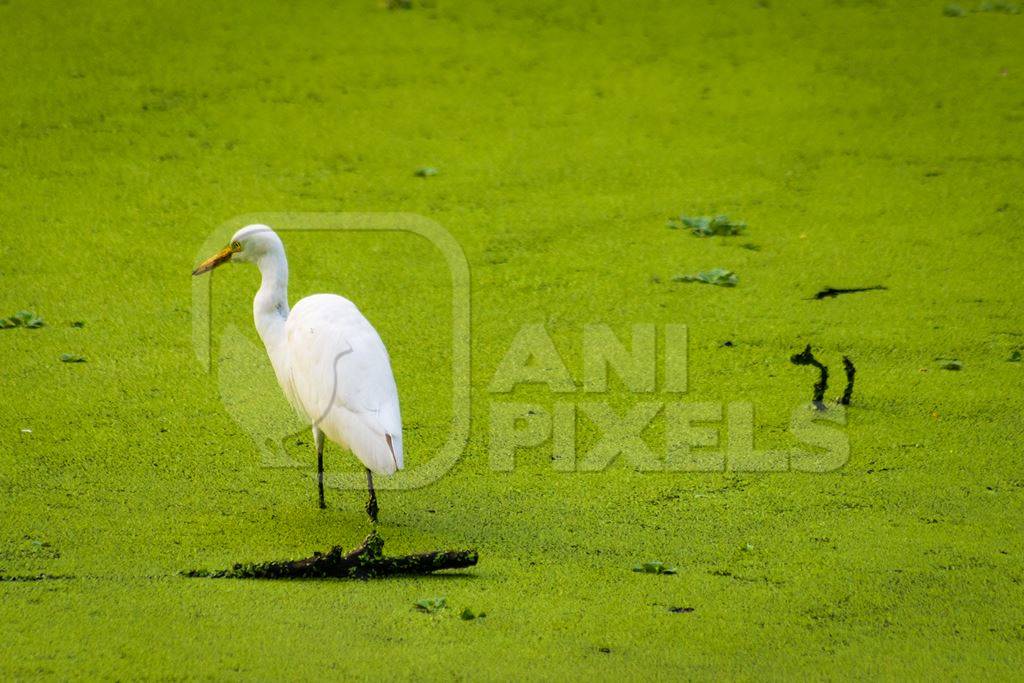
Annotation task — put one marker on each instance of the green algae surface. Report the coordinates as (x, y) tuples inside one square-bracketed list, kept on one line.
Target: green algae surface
[(862, 144)]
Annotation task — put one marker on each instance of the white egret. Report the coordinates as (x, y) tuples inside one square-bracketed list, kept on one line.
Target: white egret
[(330, 362)]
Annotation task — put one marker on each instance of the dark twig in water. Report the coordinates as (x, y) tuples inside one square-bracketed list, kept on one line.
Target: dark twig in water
[(807, 358), (850, 372), (834, 292), (365, 562), (31, 578)]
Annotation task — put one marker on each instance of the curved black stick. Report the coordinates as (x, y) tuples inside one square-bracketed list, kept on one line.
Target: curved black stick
[(807, 358), (850, 373), (832, 292)]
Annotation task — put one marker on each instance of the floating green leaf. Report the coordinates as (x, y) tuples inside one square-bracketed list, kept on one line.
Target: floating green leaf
[(431, 605), (26, 319), (71, 358), (716, 276), (954, 11), (1003, 7), (654, 568), (426, 172), (704, 226), (1015, 356), (78, 323), (952, 365), (467, 615)]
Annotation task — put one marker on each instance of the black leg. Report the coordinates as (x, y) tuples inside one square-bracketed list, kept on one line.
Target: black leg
[(320, 472), (371, 504)]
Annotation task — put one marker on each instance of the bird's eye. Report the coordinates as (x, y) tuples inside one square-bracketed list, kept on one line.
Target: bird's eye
[(236, 246)]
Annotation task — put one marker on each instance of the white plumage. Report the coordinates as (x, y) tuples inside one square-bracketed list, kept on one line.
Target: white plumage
[(339, 377), (328, 359)]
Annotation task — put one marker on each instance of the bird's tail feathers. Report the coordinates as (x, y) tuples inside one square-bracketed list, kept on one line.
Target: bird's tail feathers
[(378, 450)]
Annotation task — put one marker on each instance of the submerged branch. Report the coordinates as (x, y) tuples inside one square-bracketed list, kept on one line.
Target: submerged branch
[(807, 358), (850, 373), (365, 562), (832, 292)]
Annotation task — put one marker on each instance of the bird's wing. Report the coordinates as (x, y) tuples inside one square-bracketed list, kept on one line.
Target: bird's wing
[(340, 376)]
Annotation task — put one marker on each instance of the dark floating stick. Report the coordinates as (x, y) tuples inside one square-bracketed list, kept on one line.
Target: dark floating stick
[(850, 373), (807, 358), (833, 292), (365, 562), (31, 578)]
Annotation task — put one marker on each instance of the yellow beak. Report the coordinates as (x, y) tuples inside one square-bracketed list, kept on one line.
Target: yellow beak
[(222, 256)]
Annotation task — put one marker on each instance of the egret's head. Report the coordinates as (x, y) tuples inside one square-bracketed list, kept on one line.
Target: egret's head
[(247, 246)]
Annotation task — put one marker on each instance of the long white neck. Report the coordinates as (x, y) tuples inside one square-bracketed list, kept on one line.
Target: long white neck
[(270, 306)]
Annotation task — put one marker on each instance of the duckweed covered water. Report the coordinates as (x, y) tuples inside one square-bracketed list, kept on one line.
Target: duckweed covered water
[(862, 144)]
